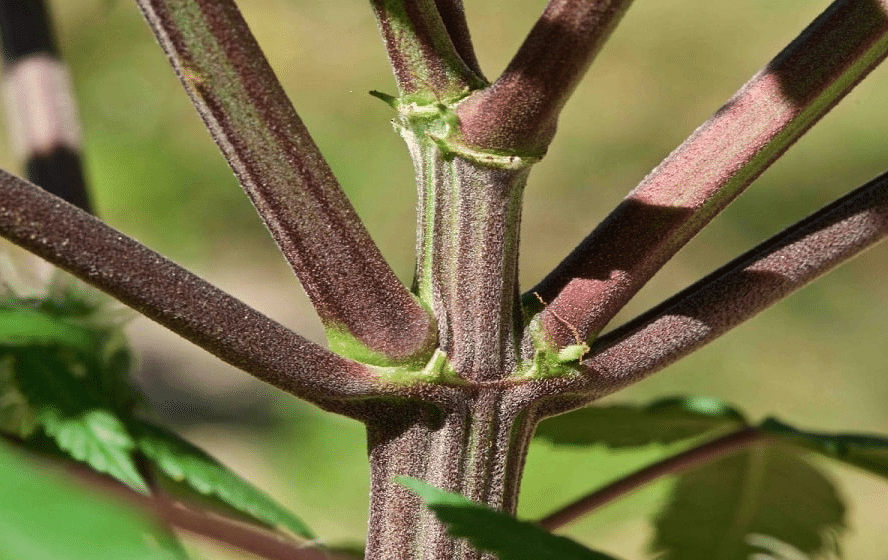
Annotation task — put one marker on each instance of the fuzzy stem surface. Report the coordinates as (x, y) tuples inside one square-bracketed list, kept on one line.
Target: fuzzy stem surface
[(474, 441), (519, 112), (719, 160), (91, 250), (368, 314), (467, 246), (475, 446), (423, 55), (729, 296)]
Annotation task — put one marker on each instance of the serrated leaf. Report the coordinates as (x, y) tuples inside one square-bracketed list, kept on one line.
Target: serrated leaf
[(98, 439), (47, 518), (69, 411), (183, 462), (74, 323), (621, 426), (739, 505), (497, 532), (863, 451)]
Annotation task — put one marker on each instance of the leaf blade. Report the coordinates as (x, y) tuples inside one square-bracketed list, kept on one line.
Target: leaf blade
[(183, 462), (70, 411), (82, 526), (867, 452), (624, 426), (497, 532), (30, 327), (730, 507)]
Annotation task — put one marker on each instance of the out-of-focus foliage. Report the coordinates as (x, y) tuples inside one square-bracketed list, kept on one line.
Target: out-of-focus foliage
[(620, 426), (65, 389), (741, 503), (185, 463), (47, 518), (867, 452), (730, 508)]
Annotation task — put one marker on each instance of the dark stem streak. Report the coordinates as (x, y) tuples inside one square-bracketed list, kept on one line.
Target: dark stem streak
[(519, 112), (453, 16), (423, 54), (730, 295), (177, 299), (677, 464), (712, 167), (248, 114), (40, 107)]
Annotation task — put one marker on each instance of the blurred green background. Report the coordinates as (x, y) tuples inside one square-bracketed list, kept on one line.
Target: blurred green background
[(818, 360)]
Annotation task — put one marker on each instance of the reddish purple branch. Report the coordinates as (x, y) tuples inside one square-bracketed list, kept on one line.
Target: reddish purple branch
[(249, 538), (454, 18), (428, 46), (246, 110), (712, 167), (177, 299), (519, 112), (729, 296), (674, 465), (171, 511)]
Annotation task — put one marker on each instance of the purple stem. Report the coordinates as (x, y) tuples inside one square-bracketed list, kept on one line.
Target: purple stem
[(712, 167), (292, 187), (674, 465), (425, 57), (519, 112), (727, 297), (453, 15), (177, 299)]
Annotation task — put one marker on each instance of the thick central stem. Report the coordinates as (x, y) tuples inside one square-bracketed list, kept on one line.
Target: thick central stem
[(476, 448), (467, 252), (475, 442)]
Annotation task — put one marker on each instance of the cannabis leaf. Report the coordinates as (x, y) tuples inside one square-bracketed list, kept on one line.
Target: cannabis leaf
[(183, 462), (728, 509), (47, 518), (622, 426), (497, 532)]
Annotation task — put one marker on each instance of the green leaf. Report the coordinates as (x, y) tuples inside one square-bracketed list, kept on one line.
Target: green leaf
[(183, 462), (761, 498), (31, 327), (863, 451), (47, 518), (16, 415), (497, 532), (70, 412), (621, 426), (76, 325), (64, 366), (97, 438)]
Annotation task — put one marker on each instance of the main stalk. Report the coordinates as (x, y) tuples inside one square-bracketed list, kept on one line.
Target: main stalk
[(469, 215)]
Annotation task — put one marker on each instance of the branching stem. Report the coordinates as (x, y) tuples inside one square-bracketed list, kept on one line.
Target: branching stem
[(519, 112), (674, 465), (368, 313), (425, 58), (713, 166), (732, 294), (184, 303)]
